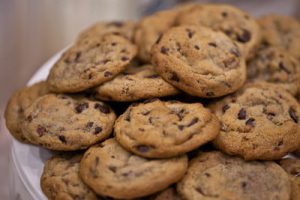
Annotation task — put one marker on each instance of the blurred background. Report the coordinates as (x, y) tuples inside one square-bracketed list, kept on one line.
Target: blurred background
[(33, 30)]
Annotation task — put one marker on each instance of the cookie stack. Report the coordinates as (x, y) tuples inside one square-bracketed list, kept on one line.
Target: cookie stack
[(197, 102)]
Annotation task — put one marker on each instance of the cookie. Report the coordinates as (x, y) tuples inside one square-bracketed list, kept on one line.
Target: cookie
[(135, 83), (60, 179), (125, 29), (150, 28), (213, 175), (275, 65), (168, 194), (292, 167), (199, 61), (161, 129), (18, 102), (91, 62), (112, 171), (283, 31), (66, 123), (235, 23), (260, 121)]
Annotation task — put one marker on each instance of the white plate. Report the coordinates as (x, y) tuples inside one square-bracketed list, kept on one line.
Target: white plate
[(28, 160)]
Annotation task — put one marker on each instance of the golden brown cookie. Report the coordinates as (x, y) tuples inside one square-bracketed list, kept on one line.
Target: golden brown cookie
[(112, 171), (91, 62), (199, 61), (214, 175), (66, 123), (18, 102), (260, 121)]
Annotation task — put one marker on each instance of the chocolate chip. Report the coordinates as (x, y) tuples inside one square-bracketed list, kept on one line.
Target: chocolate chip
[(62, 139), (225, 108), (113, 44), (116, 23), (164, 50), (146, 113), (41, 130), (207, 174), (107, 74), (124, 58), (224, 14), (196, 47), (282, 67), (212, 44), (78, 54), (250, 122), (181, 127), (97, 161), (242, 114), (112, 168), (143, 148), (81, 107), (152, 76), (210, 94), (90, 76), (243, 184), (141, 129), (174, 77), (127, 117), (97, 130), (102, 108), (293, 115), (29, 118), (190, 33), (244, 37), (194, 121), (89, 125)]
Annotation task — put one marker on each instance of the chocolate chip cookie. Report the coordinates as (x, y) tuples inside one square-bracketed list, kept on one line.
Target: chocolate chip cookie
[(150, 28), (275, 65), (112, 171), (125, 29), (213, 175), (292, 167), (168, 194), (61, 122), (232, 21), (61, 181), (135, 83), (283, 31), (261, 121), (158, 129), (200, 61), (18, 102), (91, 62)]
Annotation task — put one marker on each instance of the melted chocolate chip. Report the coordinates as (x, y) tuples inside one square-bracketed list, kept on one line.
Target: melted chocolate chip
[(62, 139), (225, 108), (81, 107), (250, 122), (194, 121), (112, 168), (190, 33), (293, 115), (152, 76), (244, 184), (41, 130), (244, 37), (97, 130), (224, 14), (29, 118), (142, 148), (174, 77), (242, 114), (212, 44), (164, 50), (196, 47), (102, 108), (124, 58), (181, 127), (107, 74)]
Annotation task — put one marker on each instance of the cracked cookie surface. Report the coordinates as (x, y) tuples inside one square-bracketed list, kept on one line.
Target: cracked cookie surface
[(214, 175), (91, 62), (19, 101), (112, 171), (62, 122), (158, 129), (199, 61), (135, 83), (283, 31), (235, 23), (292, 167), (60, 179), (274, 65), (260, 121)]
